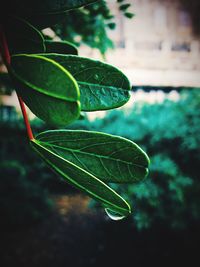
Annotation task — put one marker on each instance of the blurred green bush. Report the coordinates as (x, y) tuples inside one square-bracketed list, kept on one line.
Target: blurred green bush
[(21, 200), (170, 134)]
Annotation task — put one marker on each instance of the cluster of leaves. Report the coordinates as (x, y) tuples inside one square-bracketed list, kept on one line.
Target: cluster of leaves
[(97, 19), (57, 85), (23, 201), (124, 7), (169, 132)]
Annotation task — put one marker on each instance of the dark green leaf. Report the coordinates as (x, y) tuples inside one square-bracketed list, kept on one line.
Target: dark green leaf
[(110, 158), (41, 14), (102, 86), (129, 15), (22, 37), (111, 25), (46, 6), (47, 88), (83, 180), (60, 47), (124, 7), (42, 21), (52, 6)]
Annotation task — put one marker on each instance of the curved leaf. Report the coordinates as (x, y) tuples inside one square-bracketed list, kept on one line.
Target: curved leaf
[(58, 6), (22, 37), (60, 47), (41, 14), (47, 88), (111, 158), (101, 85), (83, 180), (42, 21), (44, 7)]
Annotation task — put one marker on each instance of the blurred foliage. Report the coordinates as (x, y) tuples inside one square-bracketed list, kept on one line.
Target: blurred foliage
[(97, 20), (169, 133), (22, 200), (26, 183)]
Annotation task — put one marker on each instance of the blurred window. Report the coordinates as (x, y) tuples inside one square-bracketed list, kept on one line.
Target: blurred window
[(184, 19), (178, 46)]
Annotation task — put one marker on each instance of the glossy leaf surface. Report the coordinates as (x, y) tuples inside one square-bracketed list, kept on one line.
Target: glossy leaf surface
[(82, 179), (111, 158), (101, 85), (47, 88), (60, 47)]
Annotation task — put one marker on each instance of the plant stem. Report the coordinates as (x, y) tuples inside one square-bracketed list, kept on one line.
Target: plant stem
[(7, 60), (26, 121), (4, 47)]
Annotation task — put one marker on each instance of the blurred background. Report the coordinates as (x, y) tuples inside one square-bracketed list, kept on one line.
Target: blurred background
[(44, 221)]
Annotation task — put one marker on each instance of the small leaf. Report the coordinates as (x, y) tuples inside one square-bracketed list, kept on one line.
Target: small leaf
[(124, 7), (111, 25), (47, 88), (22, 37), (60, 47), (110, 158), (129, 15), (102, 86), (82, 180)]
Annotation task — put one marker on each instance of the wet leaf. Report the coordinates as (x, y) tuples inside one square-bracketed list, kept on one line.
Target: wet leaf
[(82, 179), (47, 88), (101, 85)]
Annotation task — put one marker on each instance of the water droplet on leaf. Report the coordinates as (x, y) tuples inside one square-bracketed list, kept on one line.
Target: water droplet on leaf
[(114, 215), (96, 76)]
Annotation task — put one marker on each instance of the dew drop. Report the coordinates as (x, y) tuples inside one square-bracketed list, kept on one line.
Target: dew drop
[(114, 215), (96, 76)]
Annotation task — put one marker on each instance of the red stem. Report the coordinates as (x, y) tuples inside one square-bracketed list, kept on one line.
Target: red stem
[(26, 121), (6, 58)]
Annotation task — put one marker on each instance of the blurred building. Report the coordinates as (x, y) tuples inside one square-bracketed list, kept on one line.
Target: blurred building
[(157, 47)]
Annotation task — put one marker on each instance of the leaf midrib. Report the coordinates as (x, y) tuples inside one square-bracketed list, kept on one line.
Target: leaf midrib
[(92, 154), (74, 182), (40, 90), (102, 86)]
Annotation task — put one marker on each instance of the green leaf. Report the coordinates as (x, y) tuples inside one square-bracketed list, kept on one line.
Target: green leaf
[(60, 47), (52, 6), (47, 88), (22, 37), (42, 21), (46, 6), (102, 86), (42, 14), (110, 158), (129, 15), (82, 180), (124, 7)]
